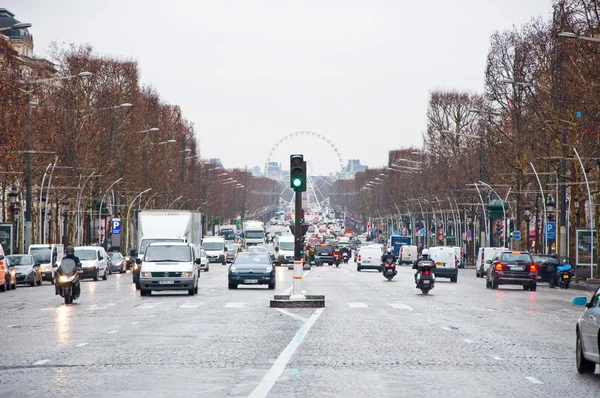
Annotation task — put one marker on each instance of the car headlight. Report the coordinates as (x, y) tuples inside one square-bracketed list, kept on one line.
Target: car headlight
[(269, 268), (232, 269), (186, 274), (92, 266), (65, 278), (146, 274)]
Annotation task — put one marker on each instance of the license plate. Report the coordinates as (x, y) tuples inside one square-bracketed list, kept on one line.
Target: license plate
[(566, 276), (323, 253), (439, 264), (166, 282), (426, 282), (251, 281), (517, 268)]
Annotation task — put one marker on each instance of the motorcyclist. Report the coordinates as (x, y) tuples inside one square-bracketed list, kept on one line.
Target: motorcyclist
[(69, 253), (424, 257), (388, 254), (345, 250), (552, 270)]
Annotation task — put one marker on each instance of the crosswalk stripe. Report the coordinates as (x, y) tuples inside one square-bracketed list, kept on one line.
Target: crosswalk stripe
[(190, 305), (358, 305), (234, 304), (400, 306), (147, 306)]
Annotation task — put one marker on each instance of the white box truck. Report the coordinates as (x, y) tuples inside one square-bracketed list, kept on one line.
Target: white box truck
[(254, 233), (168, 226)]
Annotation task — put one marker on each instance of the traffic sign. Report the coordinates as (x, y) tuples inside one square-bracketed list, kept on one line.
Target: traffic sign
[(550, 230), (116, 226), (469, 234), (516, 235)]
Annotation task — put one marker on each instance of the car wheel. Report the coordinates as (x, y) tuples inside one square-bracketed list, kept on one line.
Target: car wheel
[(358, 269), (207, 268), (272, 286), (232, 286), (39, 282), (191, 292), (137, 286), (196, 289), (533, 287), (525, 287), (583, 365), (110, 270), (476, 273), (144, 292), (32, 284), (104, 276), (123, 270), (96, 276), (380, 269), (3, 287), (14, 285), (494, 283), (487, 283), (454, 278)]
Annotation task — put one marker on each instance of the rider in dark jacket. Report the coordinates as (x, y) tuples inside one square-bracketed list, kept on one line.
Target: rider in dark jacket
[(388, 254), (424, 257), (69, 253)]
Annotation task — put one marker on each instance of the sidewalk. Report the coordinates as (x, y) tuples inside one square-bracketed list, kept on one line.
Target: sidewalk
[(583, 286)]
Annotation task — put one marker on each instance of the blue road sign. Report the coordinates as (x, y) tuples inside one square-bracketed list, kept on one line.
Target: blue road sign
[(116, 226), (469, 234), (550, 230), (516, 235)]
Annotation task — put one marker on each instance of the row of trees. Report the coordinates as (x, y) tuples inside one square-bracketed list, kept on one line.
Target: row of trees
[(101, 128), (540, 106)]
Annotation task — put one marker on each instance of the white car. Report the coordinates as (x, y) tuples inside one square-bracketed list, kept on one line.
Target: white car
[(94, 261), (588, 332), (203, 260), (369, 257)]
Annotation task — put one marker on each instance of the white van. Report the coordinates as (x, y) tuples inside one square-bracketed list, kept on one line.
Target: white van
[(408, 254), (459, 255), (284, 246), (94, 261), (446, 263), (47, 256), (214, 247), (481, 262), (169, 266), (369, 257)]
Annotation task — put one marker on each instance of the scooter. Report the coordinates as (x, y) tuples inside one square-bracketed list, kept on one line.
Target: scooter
[(316, 261), (67, 280), (389, 269), (345, 257), (565, 274), (336, 259), (425, 276)]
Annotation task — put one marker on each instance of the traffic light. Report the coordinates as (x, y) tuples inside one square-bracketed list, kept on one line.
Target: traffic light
[(302, 217), (298, 173), (511, 227)]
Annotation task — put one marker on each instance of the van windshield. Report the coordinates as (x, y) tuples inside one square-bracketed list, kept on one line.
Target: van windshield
[(146, 242), (164, 253), (288, 246), (213, 246), (41, 254), (255, 234), (86, 254)]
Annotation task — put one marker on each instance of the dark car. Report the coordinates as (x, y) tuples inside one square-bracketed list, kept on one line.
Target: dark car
[(546, 265), (325, 253), (118, 262), (130, 258), (251, 269), (24, 270), (512, 268)]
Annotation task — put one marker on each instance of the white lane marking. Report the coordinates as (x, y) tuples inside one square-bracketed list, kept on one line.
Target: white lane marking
[(446, 328), (11, 326), (134, 323), (233, 304), (478, 308), (81, 344), (147, 306), (358, 305), (533, 380), (151, 316), (468, 341), (190, 305), (497, 358), (113, 332), (267, 383), (47, 309), (401, 306), (43, 361), (295, 316)]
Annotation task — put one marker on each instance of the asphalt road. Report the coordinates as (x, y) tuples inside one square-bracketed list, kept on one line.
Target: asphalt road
[(374, 339)]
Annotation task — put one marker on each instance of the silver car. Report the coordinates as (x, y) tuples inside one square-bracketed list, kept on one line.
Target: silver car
[(588, 334)]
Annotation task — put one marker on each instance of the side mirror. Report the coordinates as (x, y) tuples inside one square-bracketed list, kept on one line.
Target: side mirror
[(1, 256), (55, 265), (579, 301), (225, 249), (138, 261), (277, 249), (488, 262), (101, 258)]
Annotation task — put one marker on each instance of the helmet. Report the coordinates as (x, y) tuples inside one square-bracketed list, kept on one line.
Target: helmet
[(425, 252), (389, 250), (70, 250)]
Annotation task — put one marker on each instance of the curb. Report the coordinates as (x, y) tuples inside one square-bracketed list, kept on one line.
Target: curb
[(581, 286)]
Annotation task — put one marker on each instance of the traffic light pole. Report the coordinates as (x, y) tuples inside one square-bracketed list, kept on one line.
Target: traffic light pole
[(298, 266)]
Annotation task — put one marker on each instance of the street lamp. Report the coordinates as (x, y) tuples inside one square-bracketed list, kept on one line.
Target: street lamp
[(571, 35), (129, 210), (28, 194), (527, 221), (151, 130), (20, 25), (167, 142), (65, 213), (577, 214)]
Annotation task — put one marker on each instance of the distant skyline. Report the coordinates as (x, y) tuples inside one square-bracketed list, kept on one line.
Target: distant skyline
[(247, 73)]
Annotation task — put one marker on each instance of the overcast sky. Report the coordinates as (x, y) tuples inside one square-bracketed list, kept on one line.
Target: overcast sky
[(249, 72)]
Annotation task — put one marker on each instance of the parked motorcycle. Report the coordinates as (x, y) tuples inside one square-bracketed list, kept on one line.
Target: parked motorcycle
[(316, 261), (565, 274), (389, 269), (425, 276), (67, 280)]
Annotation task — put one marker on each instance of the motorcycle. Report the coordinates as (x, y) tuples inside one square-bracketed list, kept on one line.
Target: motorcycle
[(67, 280), (389, 269), (345, 257), (336, 259), (316, 261), (425, 276), (565, 274)]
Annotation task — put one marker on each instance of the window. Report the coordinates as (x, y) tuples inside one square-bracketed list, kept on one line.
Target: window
[(168, 254), (595, 299)]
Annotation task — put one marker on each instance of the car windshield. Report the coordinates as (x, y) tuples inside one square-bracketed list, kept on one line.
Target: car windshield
[(255, 234), (20, 260), (146, 242), (233, 248), (211, 246), (520, 258), (86, 254), (41, 254), (165, 253), (114, 256), (250, 258), (257, 249), (286, 246)]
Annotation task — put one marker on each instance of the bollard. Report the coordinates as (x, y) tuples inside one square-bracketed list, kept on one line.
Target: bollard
[(297, 287)]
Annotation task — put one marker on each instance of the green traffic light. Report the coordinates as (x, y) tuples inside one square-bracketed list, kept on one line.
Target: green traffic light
[(296, 182)]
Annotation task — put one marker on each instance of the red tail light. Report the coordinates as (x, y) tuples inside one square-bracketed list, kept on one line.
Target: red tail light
[(359, 257), (498, 266), (532, 268), (426, 272)]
